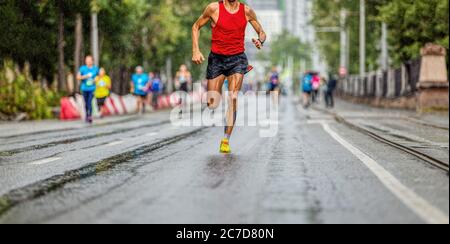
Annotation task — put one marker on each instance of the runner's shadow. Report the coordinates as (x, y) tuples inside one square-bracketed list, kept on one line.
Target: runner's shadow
[(219, 168)]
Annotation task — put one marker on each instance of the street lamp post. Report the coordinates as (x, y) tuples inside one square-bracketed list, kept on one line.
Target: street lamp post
[(384, 47), (343, 33), (94, 37), (362, 38), (344, 38), (95, 8)]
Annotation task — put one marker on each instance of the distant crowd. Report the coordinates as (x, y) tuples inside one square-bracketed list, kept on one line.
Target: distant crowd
[(312, 85)]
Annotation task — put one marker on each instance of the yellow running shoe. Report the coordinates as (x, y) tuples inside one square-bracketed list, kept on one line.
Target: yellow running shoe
[(225, 146)]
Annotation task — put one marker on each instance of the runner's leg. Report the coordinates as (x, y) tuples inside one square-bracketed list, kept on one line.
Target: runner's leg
[(139, 104), (214, 95), (150, 99), (86, 102), (235, 84), (88, 97), (276, 95)]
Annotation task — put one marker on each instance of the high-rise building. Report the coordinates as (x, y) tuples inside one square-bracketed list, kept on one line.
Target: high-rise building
[(265, 4), (270, 15), (297, 15), (291, 15)]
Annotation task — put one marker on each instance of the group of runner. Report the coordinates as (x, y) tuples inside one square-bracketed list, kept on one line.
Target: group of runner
[(94, 83), (313, 85), (146, 87)]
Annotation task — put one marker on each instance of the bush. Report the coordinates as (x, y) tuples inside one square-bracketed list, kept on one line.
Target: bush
[(24, 96)]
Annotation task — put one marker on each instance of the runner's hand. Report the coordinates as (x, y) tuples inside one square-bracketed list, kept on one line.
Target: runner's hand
[(198, 58), (257, 43)]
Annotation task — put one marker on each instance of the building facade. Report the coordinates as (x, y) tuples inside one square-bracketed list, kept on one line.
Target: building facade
[(270, 15)]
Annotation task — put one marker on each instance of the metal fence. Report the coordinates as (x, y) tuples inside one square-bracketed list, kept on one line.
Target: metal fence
[(391, 83)]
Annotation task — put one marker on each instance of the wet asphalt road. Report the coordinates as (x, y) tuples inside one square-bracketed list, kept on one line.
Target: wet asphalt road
[(145, 170)]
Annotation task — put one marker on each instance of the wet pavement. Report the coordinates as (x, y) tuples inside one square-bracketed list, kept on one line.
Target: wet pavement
[(145, 170)]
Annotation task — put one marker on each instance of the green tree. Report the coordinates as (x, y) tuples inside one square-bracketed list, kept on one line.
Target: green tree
[(287, 46), (327, 14), (413, 23)]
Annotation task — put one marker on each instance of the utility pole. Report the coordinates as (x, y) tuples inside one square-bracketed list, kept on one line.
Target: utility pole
[(362, 38), (78, 48), (344, 41), (94, 38), (384, 47), (61, 43), (343, 33), (95, 8), (146, 48)]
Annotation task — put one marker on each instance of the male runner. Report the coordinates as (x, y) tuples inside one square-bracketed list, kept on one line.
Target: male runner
[(274, 80), (139, 88), (86, 75), (227, 59)]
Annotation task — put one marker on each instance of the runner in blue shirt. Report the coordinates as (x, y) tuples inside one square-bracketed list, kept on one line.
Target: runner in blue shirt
[(156, 87), (86, 76), (139, 88), (307, 88)]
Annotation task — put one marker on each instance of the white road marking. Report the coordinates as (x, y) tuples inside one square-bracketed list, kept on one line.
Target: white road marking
[(45, 161), (114, 143), (317, 121), (417, 204), (152, 134)]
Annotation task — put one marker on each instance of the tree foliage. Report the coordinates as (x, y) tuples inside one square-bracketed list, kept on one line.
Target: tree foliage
[(326, 13), (287, 46), (411, 24), (132, 32)]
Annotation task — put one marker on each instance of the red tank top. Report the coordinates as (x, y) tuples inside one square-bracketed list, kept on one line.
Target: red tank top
[(228, 36)]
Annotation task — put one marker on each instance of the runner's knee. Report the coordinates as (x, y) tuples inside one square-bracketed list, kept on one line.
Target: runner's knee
[(213, 103), (233, 100)]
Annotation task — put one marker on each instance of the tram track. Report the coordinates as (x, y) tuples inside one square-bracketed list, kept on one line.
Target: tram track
[(423, 156)]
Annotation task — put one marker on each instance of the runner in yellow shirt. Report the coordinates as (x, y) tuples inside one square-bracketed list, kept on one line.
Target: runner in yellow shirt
[(102, 91)]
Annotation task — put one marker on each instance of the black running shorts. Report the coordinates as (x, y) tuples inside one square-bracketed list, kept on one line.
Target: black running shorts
[(184, 87), (226, 65)]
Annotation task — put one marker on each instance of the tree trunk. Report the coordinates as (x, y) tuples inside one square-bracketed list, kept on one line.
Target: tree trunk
[(78, 47), (124, 81), (61, 65), (169, 75), (94, 38)]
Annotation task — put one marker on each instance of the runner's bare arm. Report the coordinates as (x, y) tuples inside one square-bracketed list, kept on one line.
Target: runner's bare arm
[(189, 78), (82, 77), (197, 56), (253, 19), (131, 87)]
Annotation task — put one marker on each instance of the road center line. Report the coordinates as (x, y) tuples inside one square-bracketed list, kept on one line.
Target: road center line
[(417, 204), (45, 161)]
